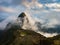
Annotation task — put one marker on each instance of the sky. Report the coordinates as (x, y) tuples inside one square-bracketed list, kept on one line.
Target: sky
[(47, 12)]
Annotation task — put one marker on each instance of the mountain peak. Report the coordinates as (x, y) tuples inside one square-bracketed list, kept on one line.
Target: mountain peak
[(22, 14)]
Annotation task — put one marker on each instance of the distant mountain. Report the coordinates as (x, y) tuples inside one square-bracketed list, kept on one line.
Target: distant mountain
[(1, 20), (2, 17), (56, 29)]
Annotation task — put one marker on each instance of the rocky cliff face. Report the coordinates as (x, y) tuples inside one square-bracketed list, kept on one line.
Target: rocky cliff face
[(23, 20)]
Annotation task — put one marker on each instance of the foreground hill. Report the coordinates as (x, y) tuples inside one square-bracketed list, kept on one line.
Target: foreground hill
[(15, 36)]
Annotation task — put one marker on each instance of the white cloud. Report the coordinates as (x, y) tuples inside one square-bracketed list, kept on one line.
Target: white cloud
[(57, 10), (50, 35), (47, 34), (32, 4), (54, 0), (53, 5), (7, 9), (38, 9), (52, 23)]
